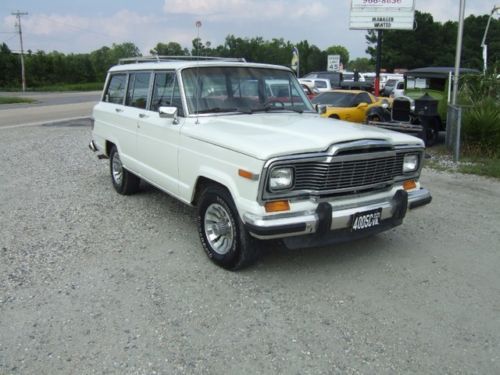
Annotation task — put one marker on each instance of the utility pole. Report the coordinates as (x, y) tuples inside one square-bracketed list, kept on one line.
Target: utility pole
[(18, 15), (458, 53)]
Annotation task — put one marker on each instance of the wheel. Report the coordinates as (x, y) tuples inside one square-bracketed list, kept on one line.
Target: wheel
[(222, 233), (431, 134), (336, 117), (124, 182)]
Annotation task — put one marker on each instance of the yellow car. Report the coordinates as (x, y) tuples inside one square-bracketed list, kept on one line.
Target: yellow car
[(349, 105)]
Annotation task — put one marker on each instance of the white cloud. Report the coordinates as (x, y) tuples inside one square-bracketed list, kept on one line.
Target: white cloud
[(446, 10), (246, 9)]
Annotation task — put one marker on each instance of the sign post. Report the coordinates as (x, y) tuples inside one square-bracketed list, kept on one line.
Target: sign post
[(381, 15)]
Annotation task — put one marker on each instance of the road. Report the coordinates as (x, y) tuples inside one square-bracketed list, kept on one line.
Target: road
[(94, 282), (48, 107)]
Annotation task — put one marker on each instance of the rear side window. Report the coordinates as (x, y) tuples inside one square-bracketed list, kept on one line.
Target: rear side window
[(138, 88), (116, 89)]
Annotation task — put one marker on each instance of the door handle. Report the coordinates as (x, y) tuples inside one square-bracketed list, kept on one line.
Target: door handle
[(143, 115), (118, 110)]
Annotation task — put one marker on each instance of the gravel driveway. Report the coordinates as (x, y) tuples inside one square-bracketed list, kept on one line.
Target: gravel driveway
[(92, 282)]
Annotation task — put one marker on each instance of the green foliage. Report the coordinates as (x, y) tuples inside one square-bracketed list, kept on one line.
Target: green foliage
[(361, 64), (481, 119), (339, 50), (59, 71), (433, 43), (169, 49), (14, 99)]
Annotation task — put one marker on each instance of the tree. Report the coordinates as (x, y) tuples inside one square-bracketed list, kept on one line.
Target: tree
[(433, 43), (339, 50), (362, 64), (169, 49)]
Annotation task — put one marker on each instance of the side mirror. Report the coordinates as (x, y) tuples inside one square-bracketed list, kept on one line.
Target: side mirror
[(169, 112), (362, 105)]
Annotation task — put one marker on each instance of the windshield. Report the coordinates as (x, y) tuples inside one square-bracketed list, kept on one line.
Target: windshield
[(335, 99), (242, 89)]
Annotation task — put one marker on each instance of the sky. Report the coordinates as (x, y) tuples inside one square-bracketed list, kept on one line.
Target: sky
[(81, 26)]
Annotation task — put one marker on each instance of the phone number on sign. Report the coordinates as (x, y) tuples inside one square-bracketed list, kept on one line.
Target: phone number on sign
[(382, 2)]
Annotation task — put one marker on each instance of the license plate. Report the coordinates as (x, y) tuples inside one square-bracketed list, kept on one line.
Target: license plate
[(367, 219)]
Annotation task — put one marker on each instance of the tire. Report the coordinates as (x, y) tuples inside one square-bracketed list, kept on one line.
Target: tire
[(124, 182), (222, 233), (336, 117), (431, 134)]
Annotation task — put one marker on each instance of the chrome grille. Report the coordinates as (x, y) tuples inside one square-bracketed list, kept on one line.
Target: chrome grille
[(342, 175)]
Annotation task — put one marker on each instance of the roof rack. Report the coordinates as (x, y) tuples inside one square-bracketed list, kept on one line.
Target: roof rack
[(144, 59)]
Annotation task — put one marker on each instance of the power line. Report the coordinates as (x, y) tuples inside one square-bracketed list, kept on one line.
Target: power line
[(18, 15)]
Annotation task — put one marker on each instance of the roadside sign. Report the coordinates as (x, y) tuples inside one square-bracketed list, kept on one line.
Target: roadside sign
[(333, 63), (382, 14)]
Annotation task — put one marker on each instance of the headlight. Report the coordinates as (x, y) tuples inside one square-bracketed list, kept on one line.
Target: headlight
[(410, 163), (281, 178)]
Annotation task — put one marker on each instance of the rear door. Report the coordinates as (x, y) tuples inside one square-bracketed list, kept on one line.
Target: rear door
[(110, 118)]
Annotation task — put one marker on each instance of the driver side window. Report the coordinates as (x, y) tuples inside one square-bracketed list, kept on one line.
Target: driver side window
[(166, 92)]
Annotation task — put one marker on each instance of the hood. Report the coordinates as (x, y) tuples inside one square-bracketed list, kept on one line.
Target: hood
[(267, 135)]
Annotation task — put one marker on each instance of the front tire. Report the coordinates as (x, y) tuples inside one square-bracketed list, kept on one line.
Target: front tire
[(222, 233), (124, 182)]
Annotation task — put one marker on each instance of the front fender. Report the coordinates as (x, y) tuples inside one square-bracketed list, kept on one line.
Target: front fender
[(380, 112)]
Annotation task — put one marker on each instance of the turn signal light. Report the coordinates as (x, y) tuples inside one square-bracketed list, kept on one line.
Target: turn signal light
[(409, 185), (246, 174), (277, 206)]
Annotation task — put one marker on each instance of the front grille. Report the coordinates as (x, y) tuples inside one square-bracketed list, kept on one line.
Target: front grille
[(347, 175)]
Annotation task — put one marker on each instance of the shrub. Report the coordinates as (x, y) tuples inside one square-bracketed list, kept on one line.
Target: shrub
[(481, 120)]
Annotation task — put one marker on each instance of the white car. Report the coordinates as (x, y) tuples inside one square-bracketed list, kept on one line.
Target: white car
[(321, 84), (256, 164)]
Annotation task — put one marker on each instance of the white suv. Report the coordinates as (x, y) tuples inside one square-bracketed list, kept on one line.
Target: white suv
[(242, 143)]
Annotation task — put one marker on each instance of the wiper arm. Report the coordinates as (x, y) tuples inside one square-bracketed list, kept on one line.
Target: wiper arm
[(220, 110), (269, 108)]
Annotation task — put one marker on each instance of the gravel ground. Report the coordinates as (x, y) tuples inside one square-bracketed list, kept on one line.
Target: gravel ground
[(92, 282)]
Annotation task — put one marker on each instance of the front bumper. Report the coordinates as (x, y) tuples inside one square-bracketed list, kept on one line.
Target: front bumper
[(333, 223)]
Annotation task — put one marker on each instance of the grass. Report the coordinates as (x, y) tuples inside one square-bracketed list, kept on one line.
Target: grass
[(472, 161), (91, 86), (14, 99)]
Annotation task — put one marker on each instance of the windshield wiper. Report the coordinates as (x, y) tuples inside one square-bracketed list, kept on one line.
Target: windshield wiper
[(269, 108), (221, 110)]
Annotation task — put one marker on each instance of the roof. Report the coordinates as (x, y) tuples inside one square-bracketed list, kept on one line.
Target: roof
[(438, 72), (180, 64)]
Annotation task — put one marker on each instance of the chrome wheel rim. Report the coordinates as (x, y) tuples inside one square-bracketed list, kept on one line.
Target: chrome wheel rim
[(117, 169), (219, 230)]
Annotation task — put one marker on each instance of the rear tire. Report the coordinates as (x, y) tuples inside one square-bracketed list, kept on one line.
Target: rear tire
[(124, 182), (335, 117), (222, 233)]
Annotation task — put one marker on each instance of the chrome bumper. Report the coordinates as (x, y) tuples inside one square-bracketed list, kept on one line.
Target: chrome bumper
[(326, 219)]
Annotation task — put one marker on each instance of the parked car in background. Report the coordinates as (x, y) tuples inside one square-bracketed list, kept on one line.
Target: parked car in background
[(349, 76), (311, 92), (321, 84), (391, 84), (349, 105), (398, 90), (335, 78)]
